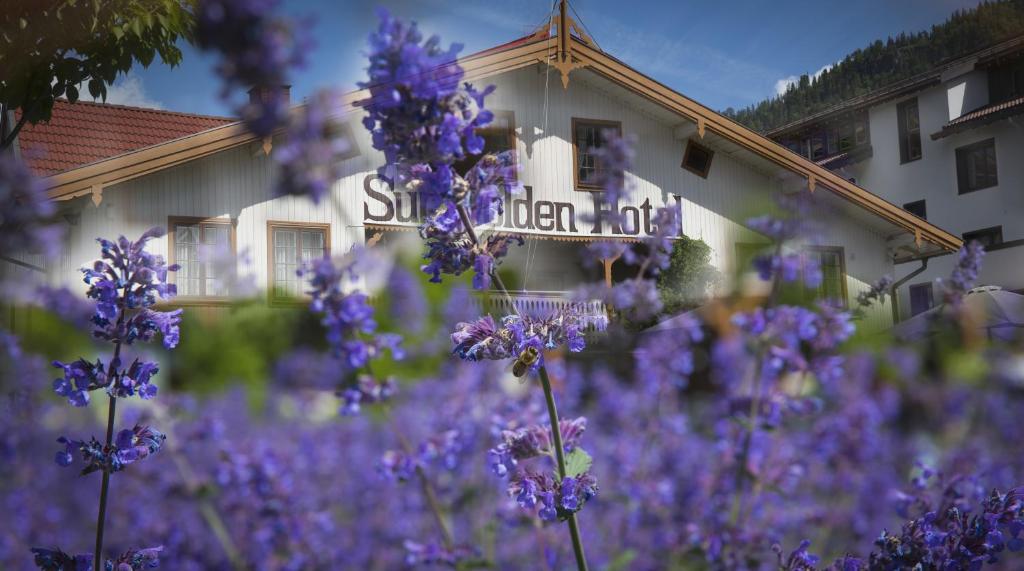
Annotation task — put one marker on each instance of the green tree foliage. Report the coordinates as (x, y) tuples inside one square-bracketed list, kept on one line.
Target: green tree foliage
[(684, 284), (884, 63), (49, 48)]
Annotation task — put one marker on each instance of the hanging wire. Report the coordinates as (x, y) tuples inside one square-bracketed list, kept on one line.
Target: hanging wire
[(533, 245), (579, 21)]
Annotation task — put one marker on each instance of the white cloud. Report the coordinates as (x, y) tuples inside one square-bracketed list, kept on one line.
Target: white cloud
[(782, 85), (129, 90)]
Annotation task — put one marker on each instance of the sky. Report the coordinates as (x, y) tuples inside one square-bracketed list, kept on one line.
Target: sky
[(724, 53)]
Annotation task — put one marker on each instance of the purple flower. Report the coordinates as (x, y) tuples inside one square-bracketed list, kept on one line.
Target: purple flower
[(25, 226), (125, 283), (614, 158), (257, 51), (964, 273), (346, 314), (431, 554), (483, 339), (57, 560), (311, 157), (80, 377), (130, 445), (558, 499)]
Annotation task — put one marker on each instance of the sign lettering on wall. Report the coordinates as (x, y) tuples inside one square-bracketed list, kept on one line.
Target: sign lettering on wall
[(383, 205)]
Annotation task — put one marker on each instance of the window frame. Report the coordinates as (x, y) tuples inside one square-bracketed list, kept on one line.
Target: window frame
[(844, 294), (173, 222), (961, 153), (905, 133), (924, 208), (510, 132), (690, 143), (272, 294), (577, 185), (973, 235)]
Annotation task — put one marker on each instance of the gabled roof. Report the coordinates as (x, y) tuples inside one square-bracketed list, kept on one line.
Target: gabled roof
[(536, 49), (904, 87), (81, 133)]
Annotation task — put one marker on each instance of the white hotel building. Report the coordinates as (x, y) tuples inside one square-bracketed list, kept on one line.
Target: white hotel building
[(947, 146), (556, 90)]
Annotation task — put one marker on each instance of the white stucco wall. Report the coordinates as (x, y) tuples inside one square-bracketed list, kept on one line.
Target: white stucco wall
[(933, 178)]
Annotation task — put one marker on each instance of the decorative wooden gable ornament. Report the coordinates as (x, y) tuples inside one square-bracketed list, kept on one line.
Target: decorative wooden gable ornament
[(565, 59)]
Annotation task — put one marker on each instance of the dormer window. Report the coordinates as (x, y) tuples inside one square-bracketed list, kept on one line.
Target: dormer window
[(1006, 82)]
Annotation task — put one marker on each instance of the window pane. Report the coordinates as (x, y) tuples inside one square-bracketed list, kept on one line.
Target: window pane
[(186, 245), (312, 245), (218, 236), (285, 261), (587, 137)]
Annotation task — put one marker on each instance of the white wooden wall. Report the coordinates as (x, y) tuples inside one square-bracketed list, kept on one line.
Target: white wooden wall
[(237, 184)]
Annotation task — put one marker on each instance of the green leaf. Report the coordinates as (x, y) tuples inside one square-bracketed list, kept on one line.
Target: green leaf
[(72, 93), (621, 561), (577, 462), (95, 88)]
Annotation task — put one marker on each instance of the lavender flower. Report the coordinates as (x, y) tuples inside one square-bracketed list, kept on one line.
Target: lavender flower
[(614, 158), (531, 442), (368, 390), (346, 314), (124, 283), (964, 273), (24, 224), (876, 291), (557, 499), (952, 538), (483, 339), (311, 158), (418, 554), (80, 377), (257, 51), (129, 446)]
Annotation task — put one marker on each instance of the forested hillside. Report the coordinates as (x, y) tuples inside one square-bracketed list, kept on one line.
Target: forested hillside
[(885, 62)]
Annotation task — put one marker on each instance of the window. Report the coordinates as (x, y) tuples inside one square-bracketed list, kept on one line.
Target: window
[(187, 235), (987, 237), (499, 135), (976, 166), (833, 272), (921, 298), (587, 135), (697, 158), (910, 131), (290, 246), (821, 141), (917, 208), (1006, 82)]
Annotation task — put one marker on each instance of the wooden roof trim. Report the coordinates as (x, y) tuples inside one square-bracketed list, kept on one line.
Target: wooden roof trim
[(82, 180), (637, 82)]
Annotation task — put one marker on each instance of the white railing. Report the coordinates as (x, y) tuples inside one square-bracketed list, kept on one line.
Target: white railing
[(538, 303)]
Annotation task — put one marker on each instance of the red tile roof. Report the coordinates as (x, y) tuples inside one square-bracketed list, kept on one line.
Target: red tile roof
[(982, 116), (83, 132)]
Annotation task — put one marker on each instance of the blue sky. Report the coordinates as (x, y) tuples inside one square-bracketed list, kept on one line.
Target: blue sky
[(722, 53)]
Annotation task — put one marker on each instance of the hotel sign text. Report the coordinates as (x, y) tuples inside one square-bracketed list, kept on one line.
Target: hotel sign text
[(382, 205)]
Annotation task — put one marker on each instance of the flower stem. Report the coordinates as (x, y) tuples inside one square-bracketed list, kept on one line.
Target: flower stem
[(428, 493), (104, 488), (549, 396), (556, 436)]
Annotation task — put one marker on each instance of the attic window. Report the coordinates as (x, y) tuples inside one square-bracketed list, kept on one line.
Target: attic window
[(697, 158)]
